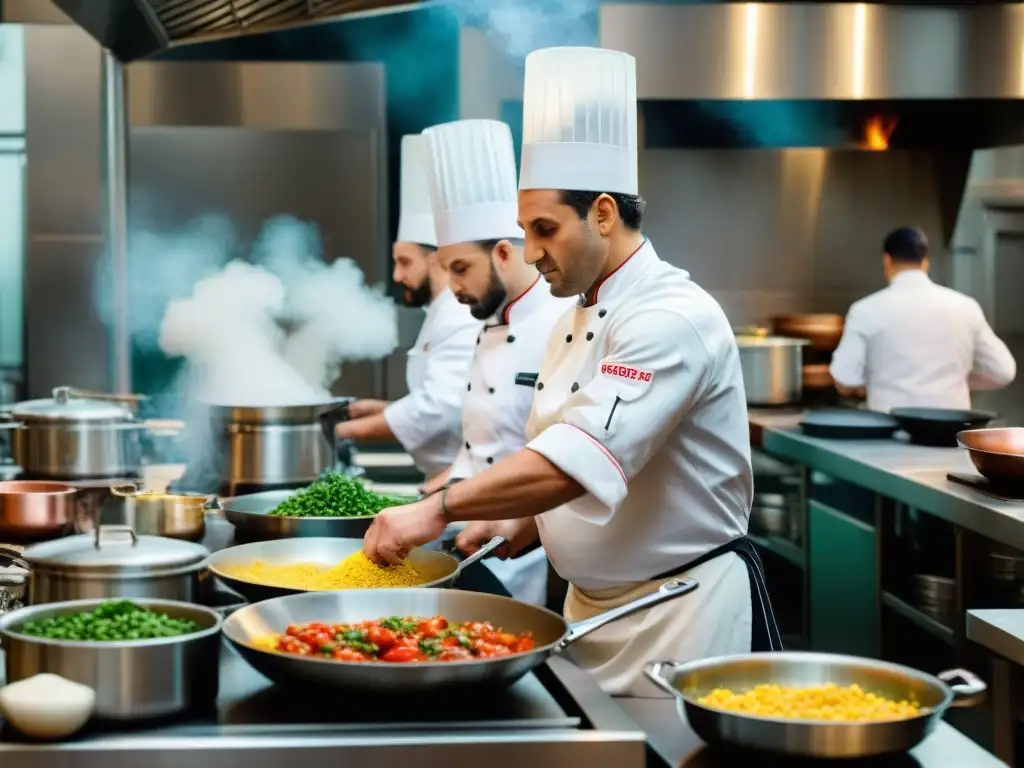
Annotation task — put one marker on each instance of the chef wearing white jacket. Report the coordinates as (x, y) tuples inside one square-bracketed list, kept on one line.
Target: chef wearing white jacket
[(471, 168), (638, 460), (427, 421)]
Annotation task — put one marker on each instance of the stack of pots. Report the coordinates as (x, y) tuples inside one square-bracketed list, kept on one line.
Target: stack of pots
[(822, 332)]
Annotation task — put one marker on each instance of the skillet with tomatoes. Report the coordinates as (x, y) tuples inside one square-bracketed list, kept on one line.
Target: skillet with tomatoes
[(403, 640)]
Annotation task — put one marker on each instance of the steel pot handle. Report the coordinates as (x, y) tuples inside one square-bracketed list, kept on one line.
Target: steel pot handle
[(968, 693), (654, 670), (113, 532), (124, 491), (667, 591), (13, 557), (63, 394)]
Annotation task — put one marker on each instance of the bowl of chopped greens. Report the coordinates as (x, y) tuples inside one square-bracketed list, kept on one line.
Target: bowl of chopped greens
[(144, 658), (335, 505)]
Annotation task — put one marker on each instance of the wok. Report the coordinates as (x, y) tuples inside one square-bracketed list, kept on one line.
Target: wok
[(805, 738), (250, 516), (550, 631), (998, 454), (848, 424), (938, 426), (330, 552)]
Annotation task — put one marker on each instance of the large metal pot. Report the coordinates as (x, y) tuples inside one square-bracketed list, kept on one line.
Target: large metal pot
[(772, 369), (133, 679), (276, 445), (77, 434), (174, 515), (114, 562)]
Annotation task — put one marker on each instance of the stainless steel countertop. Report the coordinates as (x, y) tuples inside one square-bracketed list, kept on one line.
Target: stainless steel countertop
[(999, 630), (677, 745), (912, 474)]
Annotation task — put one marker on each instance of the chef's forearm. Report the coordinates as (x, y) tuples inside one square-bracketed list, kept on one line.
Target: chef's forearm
[(523, 485), (369, 429)]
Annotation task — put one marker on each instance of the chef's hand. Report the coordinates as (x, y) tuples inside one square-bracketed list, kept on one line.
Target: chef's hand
[(359, 409), (519, 534), (395, 531)]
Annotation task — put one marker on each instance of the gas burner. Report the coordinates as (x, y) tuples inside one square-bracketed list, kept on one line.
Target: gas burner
[(1006, 491)]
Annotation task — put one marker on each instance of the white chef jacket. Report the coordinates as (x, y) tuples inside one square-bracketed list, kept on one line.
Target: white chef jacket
[(427, 421), (919, 344), (499, 395), (640, 399)]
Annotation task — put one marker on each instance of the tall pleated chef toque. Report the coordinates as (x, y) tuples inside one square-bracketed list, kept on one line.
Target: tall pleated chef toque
[(579, 121), (416, 217), (471, 169)]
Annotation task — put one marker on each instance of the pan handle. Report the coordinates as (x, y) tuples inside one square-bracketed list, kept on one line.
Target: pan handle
[(481, 553), (967, 693), (667, 591), (13, 557), (655, 672)]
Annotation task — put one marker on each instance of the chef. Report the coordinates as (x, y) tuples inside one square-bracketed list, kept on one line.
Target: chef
[(915, 343), (471, 167), (426, 421), (637, 465)]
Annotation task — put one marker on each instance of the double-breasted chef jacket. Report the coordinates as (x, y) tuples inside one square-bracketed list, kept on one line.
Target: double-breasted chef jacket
[(427, 421), (640, 399), (498, 399)]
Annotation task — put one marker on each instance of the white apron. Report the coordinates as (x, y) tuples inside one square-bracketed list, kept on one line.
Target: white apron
[(640, 399), (498, 399)]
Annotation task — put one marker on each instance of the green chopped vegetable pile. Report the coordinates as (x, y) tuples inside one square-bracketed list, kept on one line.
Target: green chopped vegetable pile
[(336, 495), (116, 620)]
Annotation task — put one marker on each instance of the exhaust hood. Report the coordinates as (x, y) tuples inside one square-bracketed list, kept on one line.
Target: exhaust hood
[(834, 75), (133, 29)]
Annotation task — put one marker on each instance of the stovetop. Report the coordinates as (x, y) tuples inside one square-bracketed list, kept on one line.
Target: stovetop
[(1001, 491)]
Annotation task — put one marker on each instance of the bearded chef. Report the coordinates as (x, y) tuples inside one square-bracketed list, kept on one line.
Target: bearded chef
[(471, 167), (637, 465), (426, 422)]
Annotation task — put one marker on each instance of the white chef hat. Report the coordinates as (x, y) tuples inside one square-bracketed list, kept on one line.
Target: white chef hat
[(471, 169), (579, 121), (416, 217)]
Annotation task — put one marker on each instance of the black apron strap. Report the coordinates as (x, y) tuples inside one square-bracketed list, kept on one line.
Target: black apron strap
[(764, 632)]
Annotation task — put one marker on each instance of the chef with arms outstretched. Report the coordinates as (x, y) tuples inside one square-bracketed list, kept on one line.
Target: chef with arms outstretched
[(426, 422), (471, 167), (637, 465)]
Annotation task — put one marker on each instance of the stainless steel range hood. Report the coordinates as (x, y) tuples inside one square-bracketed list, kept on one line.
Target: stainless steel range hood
[(133, 29), (825, 74)]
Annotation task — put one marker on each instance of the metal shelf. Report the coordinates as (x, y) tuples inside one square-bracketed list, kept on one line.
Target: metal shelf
[(922, 620)]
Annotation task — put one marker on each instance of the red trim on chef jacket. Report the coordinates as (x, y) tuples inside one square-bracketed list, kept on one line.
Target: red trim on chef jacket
[(508, 307), (592, 296)]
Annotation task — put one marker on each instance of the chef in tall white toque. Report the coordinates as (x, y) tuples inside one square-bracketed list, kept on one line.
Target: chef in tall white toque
[(638, 461), (471, 167), (427, 421)]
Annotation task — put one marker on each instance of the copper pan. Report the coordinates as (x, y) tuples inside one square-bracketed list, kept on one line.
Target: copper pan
[(36, 510), (816, 377), (998, 453), (823, 331)]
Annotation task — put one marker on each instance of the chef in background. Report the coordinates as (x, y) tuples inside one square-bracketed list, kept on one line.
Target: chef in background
[(427, 421), (471, 167), (915, 343), (637, 465)]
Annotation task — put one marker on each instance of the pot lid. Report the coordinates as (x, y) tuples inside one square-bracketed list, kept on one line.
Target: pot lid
[(66, 406), (115, 548)]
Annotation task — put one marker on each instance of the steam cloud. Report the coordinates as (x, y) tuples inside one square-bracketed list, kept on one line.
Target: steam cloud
[(521, 26), (229, 331)]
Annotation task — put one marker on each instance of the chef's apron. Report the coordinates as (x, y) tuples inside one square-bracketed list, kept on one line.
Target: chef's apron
[(729, 613)]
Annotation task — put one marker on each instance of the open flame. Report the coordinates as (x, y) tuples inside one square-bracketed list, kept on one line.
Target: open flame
[(877, 131)]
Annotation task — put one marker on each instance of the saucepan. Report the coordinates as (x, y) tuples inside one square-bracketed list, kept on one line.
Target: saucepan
[(32, 509), (809, 738), (248, 626), (444, 568), (998, 454)]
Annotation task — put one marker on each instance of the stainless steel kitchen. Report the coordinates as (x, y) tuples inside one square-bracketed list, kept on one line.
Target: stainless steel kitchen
[(233, 306)]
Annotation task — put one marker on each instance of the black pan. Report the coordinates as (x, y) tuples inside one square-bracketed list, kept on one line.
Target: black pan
[(939, 426), (849, 424)]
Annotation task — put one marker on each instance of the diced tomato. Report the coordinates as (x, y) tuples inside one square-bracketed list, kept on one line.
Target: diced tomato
[(347, 654), (382, 637), (294, 630), (432, 627), (401, 655), (525, 644), (454, 654)]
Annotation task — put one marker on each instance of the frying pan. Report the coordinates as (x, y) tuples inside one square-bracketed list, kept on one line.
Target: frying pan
[(848, 424), (998, 454), (550, 631), (330, 551), (938, 426)]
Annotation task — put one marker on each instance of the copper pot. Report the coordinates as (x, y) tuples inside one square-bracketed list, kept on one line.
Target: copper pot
[(823, 331), (817, 377), (36, 510)]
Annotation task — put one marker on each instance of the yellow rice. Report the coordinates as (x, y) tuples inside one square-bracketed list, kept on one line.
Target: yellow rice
[(354, 572)]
